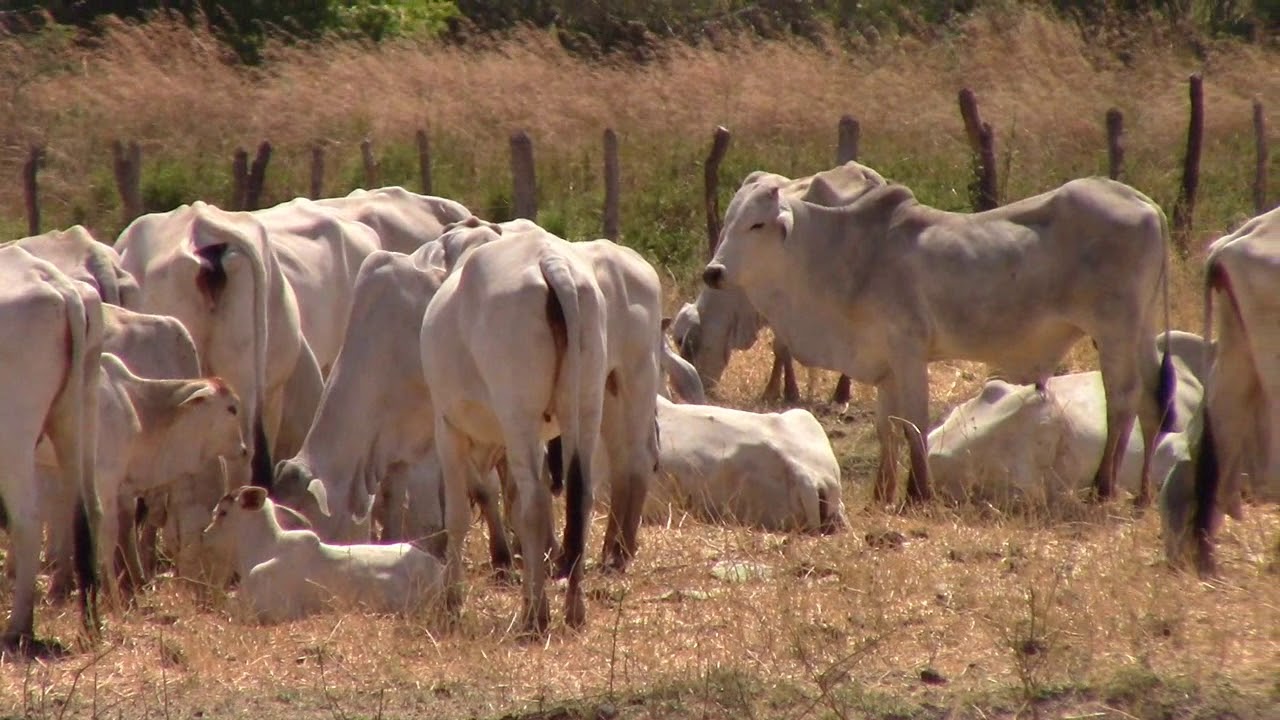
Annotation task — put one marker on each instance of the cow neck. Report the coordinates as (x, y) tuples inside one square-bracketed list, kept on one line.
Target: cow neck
[(260, 538)]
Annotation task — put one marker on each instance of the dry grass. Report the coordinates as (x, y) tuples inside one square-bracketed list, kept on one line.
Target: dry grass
[(1023, 615)]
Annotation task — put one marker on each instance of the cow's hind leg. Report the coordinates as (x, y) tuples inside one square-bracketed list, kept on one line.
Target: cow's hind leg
[(18, 490), (532, 516), (1122, 386), (913, 393), (456, 466)]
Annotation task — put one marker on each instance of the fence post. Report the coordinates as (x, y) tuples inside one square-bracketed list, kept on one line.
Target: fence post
[(240, 180), (1115, 143), (127, 165), (257, 176), (711, 183), (848, 135), (30, 187), (317, 171), (1260, 170), (370, 164), (982, 142), (1184, 208), (612, 185), (524, 180), (424, 160)]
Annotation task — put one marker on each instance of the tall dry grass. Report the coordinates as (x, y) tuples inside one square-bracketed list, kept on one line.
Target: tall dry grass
[(1043, 83)]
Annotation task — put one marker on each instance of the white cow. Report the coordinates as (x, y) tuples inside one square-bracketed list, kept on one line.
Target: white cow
[(1240, 432), (581, 318), (774, 471), (50, 344), (76, 253), (881, 287), (150, 434), (218, 274), (1019, 446), (319, 254), (375, 428), (289, 574), (720, 321), (404, 220)]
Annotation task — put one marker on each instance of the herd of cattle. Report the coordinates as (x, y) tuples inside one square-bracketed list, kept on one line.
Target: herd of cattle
[(313, 397)]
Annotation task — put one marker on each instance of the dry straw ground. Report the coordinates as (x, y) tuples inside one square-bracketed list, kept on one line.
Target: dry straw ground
[(976, 614)]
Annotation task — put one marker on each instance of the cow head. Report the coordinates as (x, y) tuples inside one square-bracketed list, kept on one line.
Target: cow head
[(230, 516), (208, 412), (296, 486), (708, 330), (756, 225), (334, 519)]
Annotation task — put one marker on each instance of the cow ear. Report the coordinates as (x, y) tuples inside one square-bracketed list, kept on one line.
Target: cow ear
[(316, 488), (785, 219), (252, 498), (200, 391)]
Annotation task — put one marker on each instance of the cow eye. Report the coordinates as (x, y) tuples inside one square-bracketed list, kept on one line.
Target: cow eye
[(757, 226), (232, 409)]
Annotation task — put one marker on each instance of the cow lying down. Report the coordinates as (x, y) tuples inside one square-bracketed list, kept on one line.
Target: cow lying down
[(1014, 445), (289, 574), (774, 471)]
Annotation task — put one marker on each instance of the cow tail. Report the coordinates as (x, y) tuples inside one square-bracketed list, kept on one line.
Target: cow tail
[(565, 319), (1207, 479), (261, 463), (1167, 384), (84, 321)]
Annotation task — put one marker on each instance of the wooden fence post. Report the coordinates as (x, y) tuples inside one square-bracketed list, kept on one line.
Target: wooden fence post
[(524, 180), (982, 142), (1184, 208), (1260, 169), (424, 160), (257, 176), (612, 185), (317, 171), (240, 180), (711, 184), (850, 132), (30, 187), (127, 165), (1115, 143), (370, 164), (848, 137)]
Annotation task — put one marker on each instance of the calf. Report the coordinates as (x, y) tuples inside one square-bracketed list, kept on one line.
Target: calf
[(289, 574)]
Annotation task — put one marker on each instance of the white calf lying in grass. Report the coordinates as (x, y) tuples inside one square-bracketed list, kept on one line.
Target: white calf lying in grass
[(288, 574)]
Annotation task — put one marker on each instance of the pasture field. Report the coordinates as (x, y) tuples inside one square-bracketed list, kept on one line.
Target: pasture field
[(936, 613)]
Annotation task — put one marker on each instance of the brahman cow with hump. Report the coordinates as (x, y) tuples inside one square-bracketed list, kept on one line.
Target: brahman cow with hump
[(266, 298), (774, 471), (1018, 446), (1239, 432), (76, 253), (531, 337), (50, 344), (373, 431), (723, 320), (403, 220), (884, 285)]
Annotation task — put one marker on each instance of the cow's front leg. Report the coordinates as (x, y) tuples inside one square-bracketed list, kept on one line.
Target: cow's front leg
[(913, 393), (885, 489)]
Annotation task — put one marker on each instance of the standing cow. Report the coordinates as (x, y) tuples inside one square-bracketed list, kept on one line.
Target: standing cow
[(50, 343), (1239, 432), (884, 285)]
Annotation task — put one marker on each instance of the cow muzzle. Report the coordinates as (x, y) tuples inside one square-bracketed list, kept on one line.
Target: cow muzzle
[(713, 276)]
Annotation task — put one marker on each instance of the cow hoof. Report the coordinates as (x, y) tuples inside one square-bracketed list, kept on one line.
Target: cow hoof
[(537, 621), (575, 612), (453, 598), (505, 575), (32, 648)]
